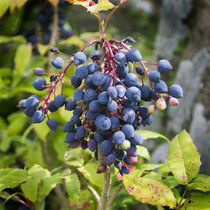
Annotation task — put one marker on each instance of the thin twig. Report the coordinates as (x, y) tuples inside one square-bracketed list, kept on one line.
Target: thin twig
[(115, 193), (54, 35), (94, 193), (112, 12), (14, 198)]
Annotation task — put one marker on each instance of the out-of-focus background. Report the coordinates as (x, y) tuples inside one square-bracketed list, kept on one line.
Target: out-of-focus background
[(175, 30)]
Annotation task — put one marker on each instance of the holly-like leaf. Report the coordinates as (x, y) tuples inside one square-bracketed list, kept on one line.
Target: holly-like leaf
[(151, 135), (54, 2), (4, 5), (103, 5), (84, 3), (183, 158), (197, 201), (143, 152), (22, 58), (30, 188), (16, 4), (201, 182), (42, 48), (89, 171), (10, 177), (149, 191), (42, 130), (4, 39), (73, 186)]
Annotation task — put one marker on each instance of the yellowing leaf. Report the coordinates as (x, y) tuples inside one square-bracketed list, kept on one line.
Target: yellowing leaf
[(22, 58), (149, 191), (183, 158), (74, 40), (84, 3), (4, 5), (151, 135), (201, 182), (54, 2), (16, 4), (101, 6), (43, 48)]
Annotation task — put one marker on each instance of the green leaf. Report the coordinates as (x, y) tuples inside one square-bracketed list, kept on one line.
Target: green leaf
[(4, 5), (73, 186), (151, 135), (170, 181), (89, 172), (49, 183), (201, 182), (30, 188), (149, 191), (183, 158), (22, 58), (10, 177), (73, 40), (4, 39), (17, 121), (143, 152), (42, 130), (197, 201), (103, 5)]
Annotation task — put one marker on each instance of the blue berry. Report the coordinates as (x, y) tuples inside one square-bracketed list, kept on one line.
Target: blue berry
[(119, 137), (38, 117), (133, 55), (98, 78), (29, 112), (124, 170), (74, 144), (129, 115), (98, 136), (39, 71), (176, 91), (81, 132), (90, 94), (112, 106), (79, 58), (107, 82), (52, 124), (76, 82), (52, 107), (70, 105), (129, 39), (120, 59), (57, 62), (70, 137), (136, 139), (106, 147), (145, 92), (60, 101), (120, 154), (31, 102), (91, 115), (78, 95), (164, 66), (39, 84), (92, 145), (112, 92), (115, 122), (154, 76), (120, 91), (103, 123), (68, 127), (103, 98), (160, 87), (131, 79), (81, 72), (132, 151), (96, 54), (110, 158), (140, 70), (94, 106), (133, 94), (128, 130), (92, 67)]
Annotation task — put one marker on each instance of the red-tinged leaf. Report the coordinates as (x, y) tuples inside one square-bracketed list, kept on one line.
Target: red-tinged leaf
[(149, 191)]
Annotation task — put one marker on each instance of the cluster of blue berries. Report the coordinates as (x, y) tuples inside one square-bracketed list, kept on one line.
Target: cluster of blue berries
[(45, 20), (107, 103)]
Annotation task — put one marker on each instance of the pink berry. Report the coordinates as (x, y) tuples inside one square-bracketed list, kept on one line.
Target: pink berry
[(152, 108), (173, 101), (161, 104)]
